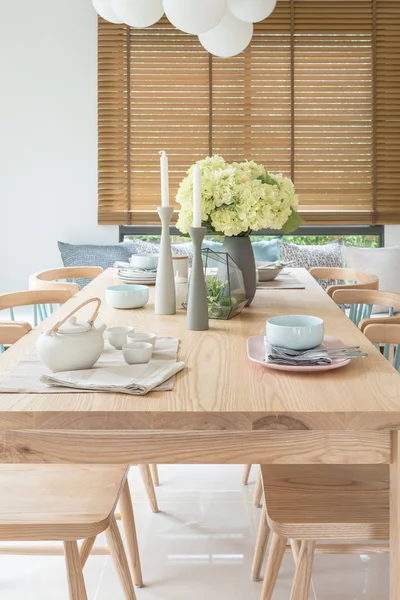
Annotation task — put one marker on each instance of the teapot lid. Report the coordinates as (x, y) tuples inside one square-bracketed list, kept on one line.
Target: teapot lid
[(73, 326)]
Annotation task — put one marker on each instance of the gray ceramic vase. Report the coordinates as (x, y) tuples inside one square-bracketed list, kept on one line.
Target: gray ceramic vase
[(241, 251)]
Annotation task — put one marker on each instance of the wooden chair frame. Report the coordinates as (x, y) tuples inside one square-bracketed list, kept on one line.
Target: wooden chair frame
[(362, 280)]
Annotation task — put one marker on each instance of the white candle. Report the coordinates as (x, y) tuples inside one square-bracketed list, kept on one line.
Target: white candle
[(164, 179), (196, 197)]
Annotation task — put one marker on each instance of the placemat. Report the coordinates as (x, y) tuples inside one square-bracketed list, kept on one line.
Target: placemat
[(282, 282), (25, 378)]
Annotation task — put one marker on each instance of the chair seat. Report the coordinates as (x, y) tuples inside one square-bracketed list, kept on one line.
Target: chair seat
[(320, 502), (57, 502)]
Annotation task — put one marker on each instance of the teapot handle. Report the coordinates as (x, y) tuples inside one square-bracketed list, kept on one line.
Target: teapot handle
[(92, 319)]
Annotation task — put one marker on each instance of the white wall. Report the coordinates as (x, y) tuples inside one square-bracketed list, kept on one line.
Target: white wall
[(48, 139), (48, 143)]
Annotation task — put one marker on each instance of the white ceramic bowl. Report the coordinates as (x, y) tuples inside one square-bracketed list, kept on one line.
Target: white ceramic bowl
[(297, 332), (144, 261), (150, 338), (117, 336), (269, 273), (137, 353), (127, 296)]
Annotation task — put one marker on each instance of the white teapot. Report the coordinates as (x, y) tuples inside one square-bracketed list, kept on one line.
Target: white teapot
[(70, 345)]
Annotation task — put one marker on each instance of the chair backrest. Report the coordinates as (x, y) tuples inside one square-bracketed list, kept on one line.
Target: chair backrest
[(29, 298), (12, 331), (348, 278), (361, 302), (384, 333), (49, 280)]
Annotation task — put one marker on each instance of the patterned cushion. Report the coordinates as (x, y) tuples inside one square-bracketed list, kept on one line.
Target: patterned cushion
[(90, 255), (328, 255)]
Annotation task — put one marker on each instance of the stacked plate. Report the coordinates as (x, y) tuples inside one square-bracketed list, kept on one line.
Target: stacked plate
[(138, 276)]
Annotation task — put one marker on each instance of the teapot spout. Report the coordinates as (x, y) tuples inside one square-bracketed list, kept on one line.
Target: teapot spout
[(101, 328)]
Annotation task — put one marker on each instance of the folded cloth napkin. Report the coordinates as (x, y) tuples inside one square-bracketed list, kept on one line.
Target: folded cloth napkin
[(129, 379), (284, 356)]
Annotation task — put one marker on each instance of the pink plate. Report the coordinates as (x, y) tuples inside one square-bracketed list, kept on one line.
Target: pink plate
[(256, 353)]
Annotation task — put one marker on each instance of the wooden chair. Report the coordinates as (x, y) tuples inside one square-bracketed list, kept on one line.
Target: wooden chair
[(351, 279), (306, 504), (11, 332), (50, 280), (68, 503), (257, 494), (34, 298), (362, 302), (385, 334)]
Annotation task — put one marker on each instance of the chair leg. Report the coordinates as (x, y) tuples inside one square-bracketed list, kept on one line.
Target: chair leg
[(246, 474), (117, 550), (302, 579), (128, 523), (274, 561), (86, 549), (76, 583), (261, 545), (258, 490), (149, 485), (154, 474)]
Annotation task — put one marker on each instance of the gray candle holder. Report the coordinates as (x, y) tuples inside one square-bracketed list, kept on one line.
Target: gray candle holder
[(197, 308), (164, 301)]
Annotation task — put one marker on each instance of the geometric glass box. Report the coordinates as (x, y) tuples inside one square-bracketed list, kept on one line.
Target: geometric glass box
[(226, 295)]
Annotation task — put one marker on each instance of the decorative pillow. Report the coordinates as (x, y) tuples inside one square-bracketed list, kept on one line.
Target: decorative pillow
[(90, 255), (266, 250), (382, 262), (328, 255), (142, 247)]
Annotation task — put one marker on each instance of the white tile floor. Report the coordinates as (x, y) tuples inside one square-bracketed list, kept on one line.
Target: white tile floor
[(198, 547)]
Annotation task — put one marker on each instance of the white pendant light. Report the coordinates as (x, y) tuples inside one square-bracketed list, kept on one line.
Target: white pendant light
[(195, 16), (230, 37), (251, 11), (138, 13), (104, 9)]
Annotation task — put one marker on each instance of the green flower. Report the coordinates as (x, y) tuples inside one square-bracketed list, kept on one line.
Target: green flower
[(237, 198)]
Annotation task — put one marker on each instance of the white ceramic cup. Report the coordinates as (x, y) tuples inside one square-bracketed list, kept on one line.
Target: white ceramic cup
[(137, 353), (150, 338), (144, 261), (297, 332), (117, 336)]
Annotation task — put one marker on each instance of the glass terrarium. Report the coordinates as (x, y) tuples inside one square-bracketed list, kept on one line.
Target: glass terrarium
[(224, 284)]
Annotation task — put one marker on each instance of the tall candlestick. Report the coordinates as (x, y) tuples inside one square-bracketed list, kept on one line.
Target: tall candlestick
[(196, 196), (164, 179)]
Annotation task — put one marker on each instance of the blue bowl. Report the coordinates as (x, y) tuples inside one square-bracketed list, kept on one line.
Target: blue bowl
[(297, 332), (127, 296)]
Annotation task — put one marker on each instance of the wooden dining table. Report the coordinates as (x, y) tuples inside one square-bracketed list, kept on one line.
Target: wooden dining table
[(223, 407)]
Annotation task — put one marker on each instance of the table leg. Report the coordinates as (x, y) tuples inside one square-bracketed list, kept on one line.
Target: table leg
[(395, 518)]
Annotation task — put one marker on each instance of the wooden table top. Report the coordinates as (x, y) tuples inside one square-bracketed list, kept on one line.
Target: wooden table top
[(220, 388)]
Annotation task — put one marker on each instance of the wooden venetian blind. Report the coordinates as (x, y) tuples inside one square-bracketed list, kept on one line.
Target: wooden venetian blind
[(316, 96)]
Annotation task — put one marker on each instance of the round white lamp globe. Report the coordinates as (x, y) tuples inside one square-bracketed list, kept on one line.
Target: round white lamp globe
[(230, 37), (138, 13), (104, 9), (251, 11), (195, 16)]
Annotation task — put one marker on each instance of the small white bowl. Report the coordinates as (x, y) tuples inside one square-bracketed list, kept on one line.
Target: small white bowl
[(127, 296), (150, 338), (137, 353), (144, 261), (117, 336), (269, 273), (297, 332)]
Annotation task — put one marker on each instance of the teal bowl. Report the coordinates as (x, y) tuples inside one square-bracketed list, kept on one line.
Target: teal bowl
[(297, 332), (127, 296)]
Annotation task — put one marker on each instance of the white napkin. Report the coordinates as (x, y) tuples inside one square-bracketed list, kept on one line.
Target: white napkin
[(129, 379)]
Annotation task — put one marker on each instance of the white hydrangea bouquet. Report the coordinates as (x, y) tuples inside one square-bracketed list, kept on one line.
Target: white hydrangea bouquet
[(239, 198)]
